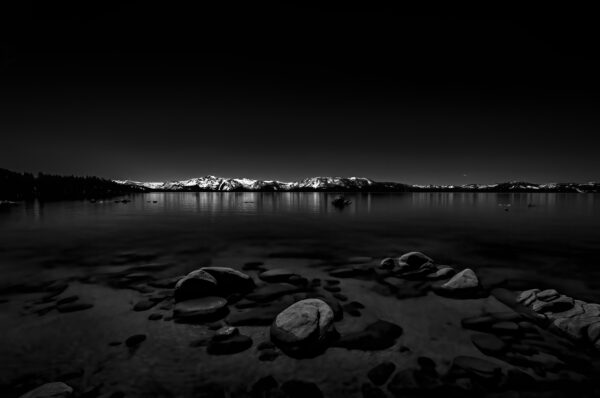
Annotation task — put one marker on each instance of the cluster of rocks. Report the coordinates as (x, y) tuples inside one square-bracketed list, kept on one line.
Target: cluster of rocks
[(414, 274), (570, 317)]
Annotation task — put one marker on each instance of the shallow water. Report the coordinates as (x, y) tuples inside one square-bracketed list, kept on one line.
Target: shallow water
[(559, 232), (529, 240)]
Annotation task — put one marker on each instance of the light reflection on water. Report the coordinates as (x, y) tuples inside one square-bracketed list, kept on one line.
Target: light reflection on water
[(469, 227)]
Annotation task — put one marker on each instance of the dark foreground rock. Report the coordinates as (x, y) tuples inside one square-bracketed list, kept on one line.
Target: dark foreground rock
[(377, 336), (304, 328)]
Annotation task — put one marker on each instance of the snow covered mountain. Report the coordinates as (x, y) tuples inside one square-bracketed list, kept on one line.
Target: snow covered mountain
[(349, 184)]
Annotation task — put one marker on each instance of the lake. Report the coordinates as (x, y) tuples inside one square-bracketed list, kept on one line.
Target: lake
[(516, 241)]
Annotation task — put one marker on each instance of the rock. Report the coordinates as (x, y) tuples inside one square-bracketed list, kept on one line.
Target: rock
[(558, 304), (229, 345), (226, 332), (144, 305), (200, 307), (547, 295), (276, 275), (377, 336), (230, 280), (155, 316), (380, 373), (196, 284), (135, 340), (301, 389), (50, 390), (413, 260), (387, 263), (72, 307), (465, 283), (304, 328), (488, 344), (465, 279)]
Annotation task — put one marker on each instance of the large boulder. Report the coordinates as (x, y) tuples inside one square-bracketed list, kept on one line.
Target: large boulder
[(304, 328), (196, 284), (50, 390)]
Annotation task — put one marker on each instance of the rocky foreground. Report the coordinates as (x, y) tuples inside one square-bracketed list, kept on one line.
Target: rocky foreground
[(536, 343)]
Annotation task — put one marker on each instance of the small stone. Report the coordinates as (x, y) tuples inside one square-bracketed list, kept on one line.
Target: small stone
[(478, 366), (226, 332), (135, 340), (276, 275), (547, 295), (376, 336), (333, 289), (155, 316), (381, 373)]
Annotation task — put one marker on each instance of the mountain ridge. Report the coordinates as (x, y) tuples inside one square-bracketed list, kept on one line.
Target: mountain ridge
[(349, 184)]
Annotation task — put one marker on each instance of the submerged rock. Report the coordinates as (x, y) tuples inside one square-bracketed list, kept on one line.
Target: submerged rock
[(201, 307), (304, 328), (231, 344), (413, 260), (230, 280), (276, 275), (50, 390), (377, 336), (196, 284)]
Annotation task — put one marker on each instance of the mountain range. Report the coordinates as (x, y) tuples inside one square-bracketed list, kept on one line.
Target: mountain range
[(349, 184)]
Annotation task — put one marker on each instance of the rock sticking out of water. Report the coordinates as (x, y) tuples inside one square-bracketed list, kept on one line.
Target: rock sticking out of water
[(574, 318), (304, 328)]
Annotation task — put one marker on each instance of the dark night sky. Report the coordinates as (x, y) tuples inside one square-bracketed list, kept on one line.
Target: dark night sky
[(154, 94)]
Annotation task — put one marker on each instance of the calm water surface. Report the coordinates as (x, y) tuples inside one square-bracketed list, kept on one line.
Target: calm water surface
[(553, 232)]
